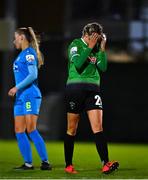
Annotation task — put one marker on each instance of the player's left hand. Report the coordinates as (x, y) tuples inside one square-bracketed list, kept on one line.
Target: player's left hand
[(12, 91)]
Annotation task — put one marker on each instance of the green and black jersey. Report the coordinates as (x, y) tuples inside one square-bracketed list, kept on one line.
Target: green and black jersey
[(84, 64)]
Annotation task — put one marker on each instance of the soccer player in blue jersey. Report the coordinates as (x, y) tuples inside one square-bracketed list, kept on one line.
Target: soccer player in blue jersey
[(28, 97)]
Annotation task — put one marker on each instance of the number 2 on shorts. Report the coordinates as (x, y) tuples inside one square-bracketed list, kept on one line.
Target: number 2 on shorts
[(98, 100)]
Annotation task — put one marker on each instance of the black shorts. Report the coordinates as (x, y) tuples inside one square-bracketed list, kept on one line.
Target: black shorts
[(82, 97)]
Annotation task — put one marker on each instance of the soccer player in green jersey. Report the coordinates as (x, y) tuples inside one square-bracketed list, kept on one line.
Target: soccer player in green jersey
[(87, 58)]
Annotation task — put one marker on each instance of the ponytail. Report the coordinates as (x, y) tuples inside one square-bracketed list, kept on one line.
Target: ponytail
[(35, 41)]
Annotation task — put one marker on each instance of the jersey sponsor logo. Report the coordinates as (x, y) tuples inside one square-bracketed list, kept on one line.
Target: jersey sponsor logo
[(30, 57), (73, 50), (92, 60)]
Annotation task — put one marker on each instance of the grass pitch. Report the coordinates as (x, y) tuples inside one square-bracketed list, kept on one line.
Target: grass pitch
[(133, 161)]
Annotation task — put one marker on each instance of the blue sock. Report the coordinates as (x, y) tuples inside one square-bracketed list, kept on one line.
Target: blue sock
[(24, 146), (39, 144)]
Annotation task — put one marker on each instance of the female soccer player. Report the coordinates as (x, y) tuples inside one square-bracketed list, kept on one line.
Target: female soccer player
[(87, 58), (28, 97)]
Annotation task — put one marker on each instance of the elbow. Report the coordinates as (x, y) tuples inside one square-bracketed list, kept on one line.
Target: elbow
[(79, 70), (33, 77), (104, 69), (77, 63), (33, 73), (78, 67)]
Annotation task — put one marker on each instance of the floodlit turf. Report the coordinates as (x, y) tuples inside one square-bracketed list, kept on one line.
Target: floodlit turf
[(133, 161)]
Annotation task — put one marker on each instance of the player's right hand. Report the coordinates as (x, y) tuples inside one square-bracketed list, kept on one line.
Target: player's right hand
[(93, 39), (12, 91)]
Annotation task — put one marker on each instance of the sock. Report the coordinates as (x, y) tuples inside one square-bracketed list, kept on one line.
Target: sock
[(39, 144), (101, 146), (68, 149), (24, 146)]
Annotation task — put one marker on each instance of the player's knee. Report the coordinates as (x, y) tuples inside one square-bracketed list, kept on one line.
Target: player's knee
[(30, 129), (19, 129), (97, 129), (72, 131)]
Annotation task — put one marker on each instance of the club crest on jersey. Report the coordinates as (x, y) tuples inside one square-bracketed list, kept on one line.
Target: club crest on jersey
[(30, 57), (72, 104), (15, 67), (92, 60), (73, 50)]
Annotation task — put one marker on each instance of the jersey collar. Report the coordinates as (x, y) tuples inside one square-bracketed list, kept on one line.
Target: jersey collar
[(84, 41)]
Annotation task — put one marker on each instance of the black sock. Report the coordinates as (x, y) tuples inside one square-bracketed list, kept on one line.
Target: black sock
[(101, 146), (68, 149)]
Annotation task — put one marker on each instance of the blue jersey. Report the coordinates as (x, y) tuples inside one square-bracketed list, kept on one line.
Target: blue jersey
[(26, 59)]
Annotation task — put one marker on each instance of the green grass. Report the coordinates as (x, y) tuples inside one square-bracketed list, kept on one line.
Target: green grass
[(133, 162)]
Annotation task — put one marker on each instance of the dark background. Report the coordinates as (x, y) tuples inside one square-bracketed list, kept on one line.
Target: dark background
[(124, 85)]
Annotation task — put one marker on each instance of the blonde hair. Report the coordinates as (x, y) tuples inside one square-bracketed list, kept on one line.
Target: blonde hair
[(34, 41)]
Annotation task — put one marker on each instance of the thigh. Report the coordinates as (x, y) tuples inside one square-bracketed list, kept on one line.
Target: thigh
[(20, 124), (95, 118)]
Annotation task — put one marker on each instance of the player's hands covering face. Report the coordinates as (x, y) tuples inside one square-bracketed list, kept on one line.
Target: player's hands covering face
[(93, 39)]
